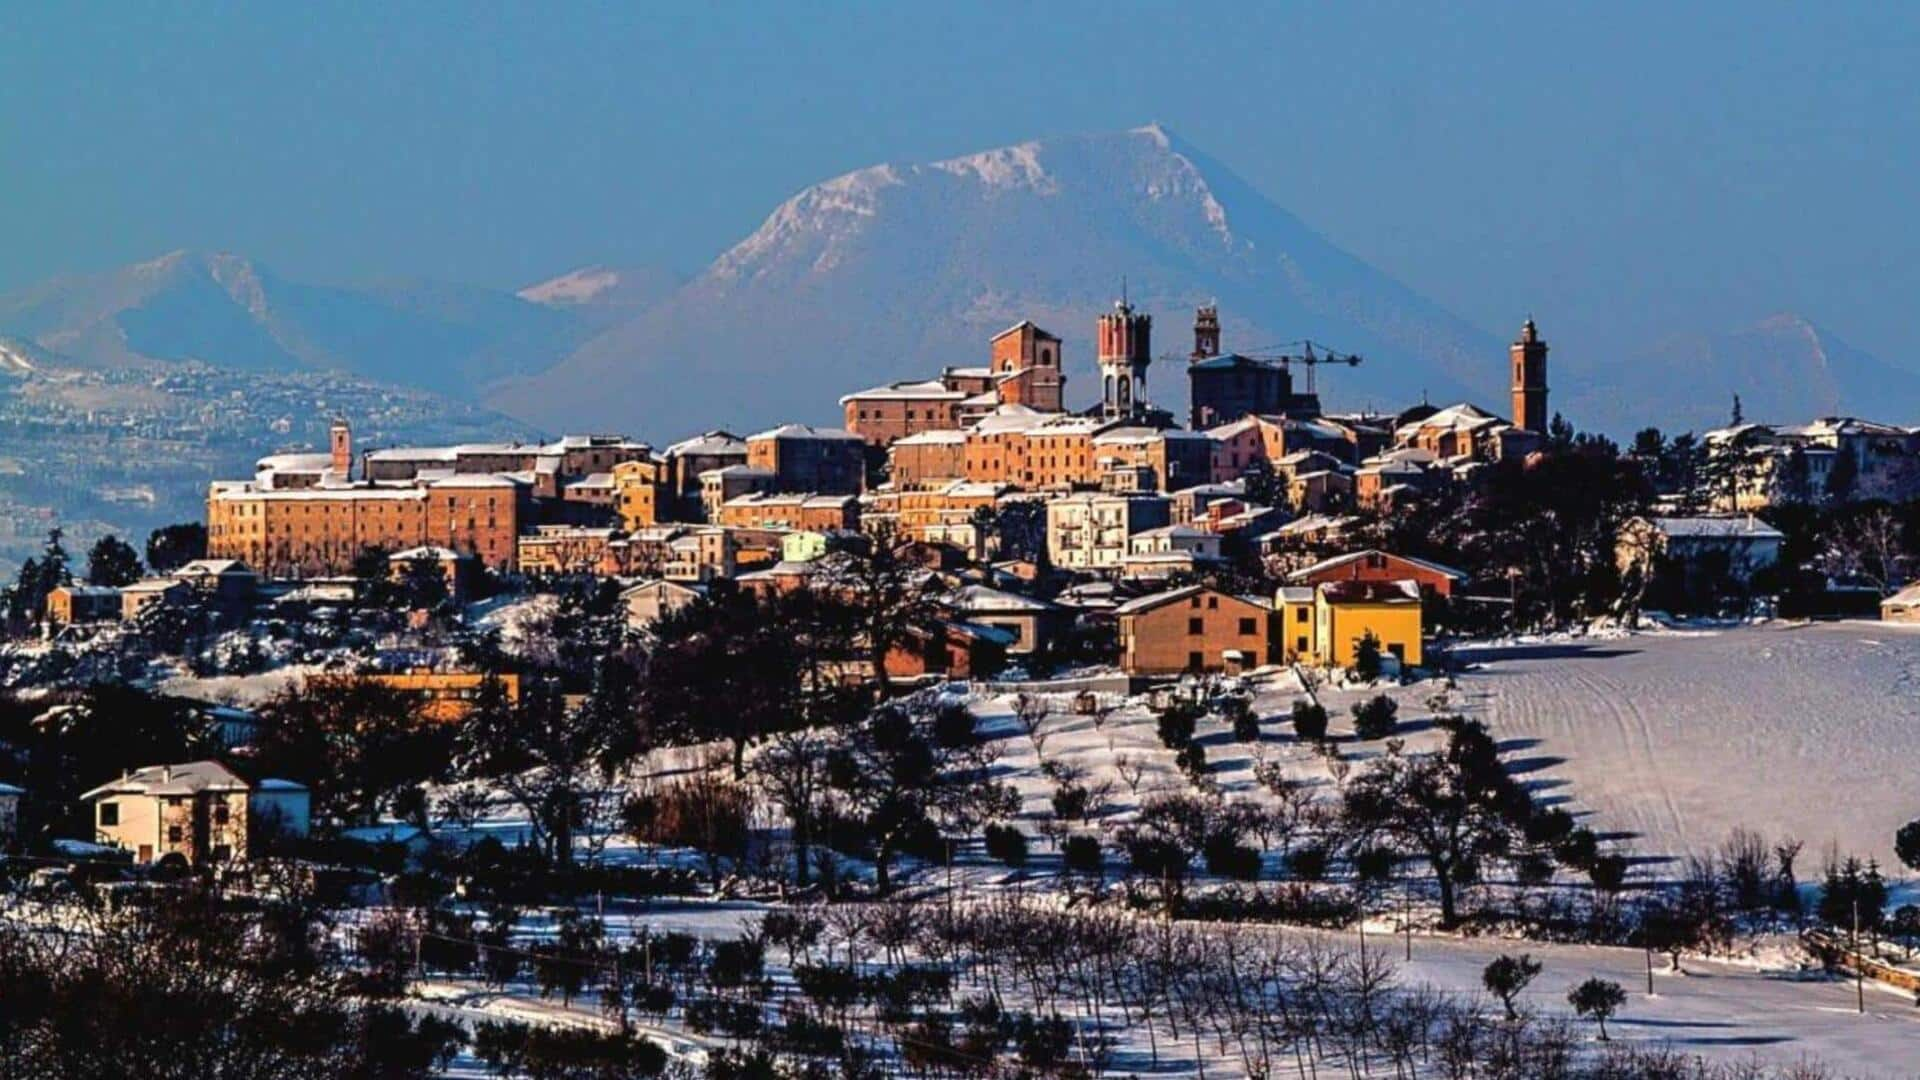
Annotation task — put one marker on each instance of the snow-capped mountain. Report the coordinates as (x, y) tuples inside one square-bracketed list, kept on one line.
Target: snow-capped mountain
[(896, 270), (226, 310)]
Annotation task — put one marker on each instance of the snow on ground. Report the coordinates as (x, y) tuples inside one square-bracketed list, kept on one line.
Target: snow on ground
[(1677, 738)]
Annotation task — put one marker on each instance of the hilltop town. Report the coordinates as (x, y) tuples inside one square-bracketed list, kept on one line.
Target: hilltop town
[(931, 741)]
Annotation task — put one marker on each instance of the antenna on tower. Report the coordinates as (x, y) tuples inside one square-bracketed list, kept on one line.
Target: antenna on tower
[(1123, 291)]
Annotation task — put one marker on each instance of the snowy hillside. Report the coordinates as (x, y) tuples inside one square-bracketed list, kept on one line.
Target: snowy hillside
[(895, 270), (1800, 731)]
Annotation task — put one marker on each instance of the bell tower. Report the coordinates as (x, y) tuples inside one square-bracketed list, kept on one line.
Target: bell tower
[(1126, 348), (1206, 332), (1529, 355), (340, 445)]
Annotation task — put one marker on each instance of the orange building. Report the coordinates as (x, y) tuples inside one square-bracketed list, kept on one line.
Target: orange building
[(1027, 367), (894, 411), (1193, 629), (320, 530), (803, 458), (814, 513), (444, 696), (928, 459)]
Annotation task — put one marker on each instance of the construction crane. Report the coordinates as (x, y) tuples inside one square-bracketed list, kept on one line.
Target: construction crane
[(1307, 357), (1308, 354)]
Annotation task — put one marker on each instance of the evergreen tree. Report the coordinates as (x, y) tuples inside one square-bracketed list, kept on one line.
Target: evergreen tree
[(173, 546), (112, 562)]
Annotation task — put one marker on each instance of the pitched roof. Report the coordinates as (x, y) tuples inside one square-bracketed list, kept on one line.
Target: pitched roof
[(1338, 561), (189, 778), (1378, 592), (1745, 527)]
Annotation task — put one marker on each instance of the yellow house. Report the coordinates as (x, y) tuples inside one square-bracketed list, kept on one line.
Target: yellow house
[(1322, 626)]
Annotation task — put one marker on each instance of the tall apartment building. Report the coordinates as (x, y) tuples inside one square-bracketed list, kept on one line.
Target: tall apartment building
[(1092, 531)]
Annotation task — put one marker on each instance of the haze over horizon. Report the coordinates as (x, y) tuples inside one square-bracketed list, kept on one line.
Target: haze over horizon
[(1625, 174)]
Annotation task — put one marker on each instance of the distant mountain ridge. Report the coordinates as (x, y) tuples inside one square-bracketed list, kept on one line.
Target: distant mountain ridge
[(896, 270), (1785, 368), (893, 271), (226, 310)]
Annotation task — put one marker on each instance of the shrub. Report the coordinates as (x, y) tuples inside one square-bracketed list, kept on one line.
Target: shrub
[(704, 812), (1192, 760), (1374, 864), (1374, 717), (1070, 802), (1309, 863), (1366, 657), (1082, 855), (1176, 724), (1577, 849), (1309, 721), (1007, 844), (1228, 857)]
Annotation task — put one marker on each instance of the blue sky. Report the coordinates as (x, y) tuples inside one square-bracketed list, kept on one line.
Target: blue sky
[(1618, 169)]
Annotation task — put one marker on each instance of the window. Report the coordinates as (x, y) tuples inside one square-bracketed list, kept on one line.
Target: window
[(1300, 644), (109, 814), (1247, 626), (1213, 603), (1300, 614), (1196, 661), (221, 813), (1196, 626), (174, 834)]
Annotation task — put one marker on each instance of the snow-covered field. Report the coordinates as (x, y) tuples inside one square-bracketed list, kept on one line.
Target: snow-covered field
[(1802, 730)]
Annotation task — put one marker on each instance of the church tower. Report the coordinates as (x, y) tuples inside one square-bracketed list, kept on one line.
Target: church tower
[(1529, 380), (1126, 348), (340, 445), (1206, 332)]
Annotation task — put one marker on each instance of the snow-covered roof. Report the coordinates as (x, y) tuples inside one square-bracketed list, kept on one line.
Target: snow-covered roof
[(1391, 592), (1338, 561), (709, 443), (805, 431), (1745, 527), (1016, 327), (186, 779), (434, 553), (210, 568), (922, 390), (938, 437), (983, 598), (1460, 417)]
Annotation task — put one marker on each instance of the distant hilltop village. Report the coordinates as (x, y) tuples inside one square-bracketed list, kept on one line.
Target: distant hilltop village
[(922, 458)]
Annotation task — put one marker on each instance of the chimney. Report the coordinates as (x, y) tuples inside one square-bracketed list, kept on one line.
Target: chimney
[(166, 774)]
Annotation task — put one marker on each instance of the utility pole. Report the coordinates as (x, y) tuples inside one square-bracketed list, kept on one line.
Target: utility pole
[(1649, 971), (1859, 965), (1406, 918)]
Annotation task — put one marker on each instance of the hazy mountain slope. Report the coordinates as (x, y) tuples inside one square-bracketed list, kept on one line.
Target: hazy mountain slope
[(1786, 369), (893, 271), (602, 296), (226, 310)]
